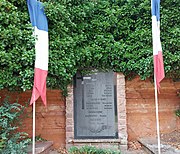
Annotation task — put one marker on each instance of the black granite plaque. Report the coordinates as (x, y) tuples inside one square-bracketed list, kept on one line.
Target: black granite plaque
[(95, 114)]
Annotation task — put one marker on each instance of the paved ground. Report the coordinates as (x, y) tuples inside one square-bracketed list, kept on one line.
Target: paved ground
[(134, 152), (53, 152), (151, 145)]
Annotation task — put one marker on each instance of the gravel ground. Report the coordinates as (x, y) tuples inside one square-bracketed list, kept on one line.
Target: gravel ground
[(172, 138), (57, 151), (123, 152)]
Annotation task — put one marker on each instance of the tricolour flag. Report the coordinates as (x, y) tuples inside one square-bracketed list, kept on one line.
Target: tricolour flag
[(157, 49), (39, 22)]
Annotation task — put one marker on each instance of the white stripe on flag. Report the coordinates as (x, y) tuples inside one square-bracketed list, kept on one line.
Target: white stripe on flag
[(156, 36), (41, 47)]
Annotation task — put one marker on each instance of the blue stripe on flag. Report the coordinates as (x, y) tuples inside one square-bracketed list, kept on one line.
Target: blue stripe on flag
[(37, 15), (156, 9)]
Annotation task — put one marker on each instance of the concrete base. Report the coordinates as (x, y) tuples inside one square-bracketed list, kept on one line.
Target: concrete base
[(150, 145), (41, 147)]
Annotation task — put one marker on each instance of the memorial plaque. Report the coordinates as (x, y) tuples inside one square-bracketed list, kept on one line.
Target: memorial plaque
[(95, 114)]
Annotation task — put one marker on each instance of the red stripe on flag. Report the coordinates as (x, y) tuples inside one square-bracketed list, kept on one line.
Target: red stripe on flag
[(39, 88), (158, 68)]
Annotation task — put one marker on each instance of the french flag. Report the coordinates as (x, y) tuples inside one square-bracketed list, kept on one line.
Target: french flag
[(157, 49), (40, 24)]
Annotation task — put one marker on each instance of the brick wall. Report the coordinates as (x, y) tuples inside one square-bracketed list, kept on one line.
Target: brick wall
[(141, 119), (50, 121)]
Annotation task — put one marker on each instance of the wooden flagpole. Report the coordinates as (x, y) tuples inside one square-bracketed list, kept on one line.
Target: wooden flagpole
[(157, 115)]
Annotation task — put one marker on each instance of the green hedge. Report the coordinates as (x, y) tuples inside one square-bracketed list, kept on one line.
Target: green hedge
[(87, 34)]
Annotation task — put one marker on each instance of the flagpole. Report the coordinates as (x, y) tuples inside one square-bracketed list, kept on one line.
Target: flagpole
[(157, 115), (33, 139)]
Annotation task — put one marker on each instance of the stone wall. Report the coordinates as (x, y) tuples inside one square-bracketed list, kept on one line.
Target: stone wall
[(135, 104), (141, 120)]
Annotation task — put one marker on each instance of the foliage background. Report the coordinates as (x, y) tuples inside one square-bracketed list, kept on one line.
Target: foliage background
[(87, 34), (12, 141)]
